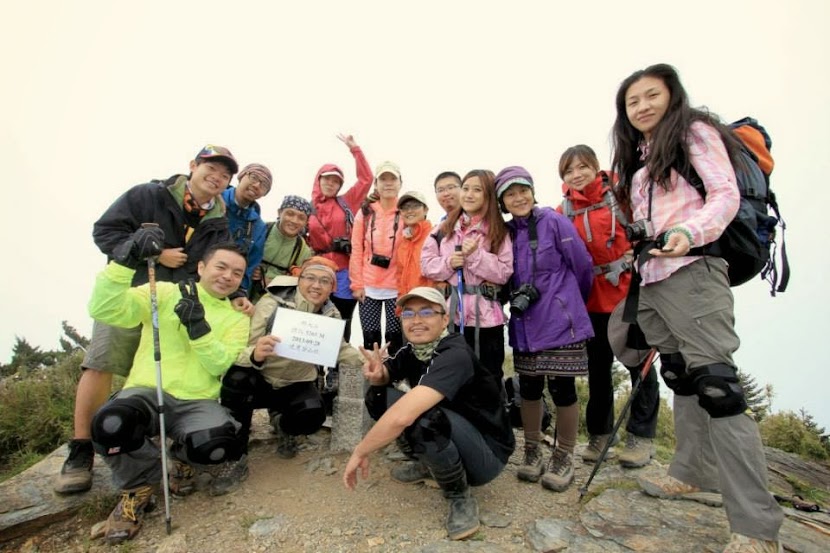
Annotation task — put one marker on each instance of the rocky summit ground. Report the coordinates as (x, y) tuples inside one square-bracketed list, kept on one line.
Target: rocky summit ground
[(300, 505)]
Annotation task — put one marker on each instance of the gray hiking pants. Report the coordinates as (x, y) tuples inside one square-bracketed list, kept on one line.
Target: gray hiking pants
[(691, 312), (182, 417)]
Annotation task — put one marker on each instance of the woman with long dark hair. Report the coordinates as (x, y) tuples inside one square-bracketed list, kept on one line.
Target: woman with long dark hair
[(474, 240), (685, 306)]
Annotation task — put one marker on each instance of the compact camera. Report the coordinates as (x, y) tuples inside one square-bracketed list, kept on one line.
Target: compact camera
[(380, 261), (639, 230), (341, 244), (522, 298)]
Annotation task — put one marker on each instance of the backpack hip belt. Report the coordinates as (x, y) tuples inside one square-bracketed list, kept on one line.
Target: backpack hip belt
[(488, 291), (613, 270)]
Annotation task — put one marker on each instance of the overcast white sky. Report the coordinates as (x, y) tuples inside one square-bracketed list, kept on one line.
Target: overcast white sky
[(98, 96)]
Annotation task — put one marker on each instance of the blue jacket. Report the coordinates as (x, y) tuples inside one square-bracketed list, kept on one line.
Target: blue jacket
[(564, 274), (248, 231)]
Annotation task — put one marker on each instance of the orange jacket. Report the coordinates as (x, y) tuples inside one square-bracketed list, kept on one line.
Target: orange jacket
[(408, 258)]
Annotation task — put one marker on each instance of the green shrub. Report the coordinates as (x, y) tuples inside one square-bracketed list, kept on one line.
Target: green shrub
[(36, 412), (788, 432)]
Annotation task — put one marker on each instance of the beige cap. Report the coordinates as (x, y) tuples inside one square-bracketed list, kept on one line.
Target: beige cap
[(412, 195), (388, 167), (432, 295)]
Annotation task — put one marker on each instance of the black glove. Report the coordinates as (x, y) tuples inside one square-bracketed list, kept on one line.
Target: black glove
[(144, 243), (191, 312)]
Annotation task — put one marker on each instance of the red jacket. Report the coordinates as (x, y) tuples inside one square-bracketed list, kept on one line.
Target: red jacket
[(408, 259), (604, 295), (329, 220)]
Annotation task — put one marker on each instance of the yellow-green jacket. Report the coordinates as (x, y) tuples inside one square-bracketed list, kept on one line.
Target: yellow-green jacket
[(191, 369)]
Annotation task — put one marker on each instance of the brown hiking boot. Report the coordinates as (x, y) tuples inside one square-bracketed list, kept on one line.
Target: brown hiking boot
[(595, 444), (744, 544), (126, 519), (637, 452), (76, 472), (667, 487), (560, 473), (411, 472), (533, 465), (182, 479)]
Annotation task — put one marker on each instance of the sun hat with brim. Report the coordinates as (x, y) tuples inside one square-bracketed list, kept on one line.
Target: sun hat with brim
[(412, 195), (627, 340), (432, 295)]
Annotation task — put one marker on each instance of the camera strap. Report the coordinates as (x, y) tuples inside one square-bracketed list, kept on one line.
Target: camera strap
[(394, 232)]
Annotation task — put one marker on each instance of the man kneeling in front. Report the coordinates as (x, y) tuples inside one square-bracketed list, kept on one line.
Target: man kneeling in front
[(452, 419)]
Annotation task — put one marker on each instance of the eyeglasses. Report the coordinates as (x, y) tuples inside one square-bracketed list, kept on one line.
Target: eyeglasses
[(322, 281), (448, 188), (411, 206), (424, 313)]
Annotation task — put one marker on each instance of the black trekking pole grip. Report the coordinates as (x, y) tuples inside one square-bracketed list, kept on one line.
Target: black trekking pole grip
[(652, 355)]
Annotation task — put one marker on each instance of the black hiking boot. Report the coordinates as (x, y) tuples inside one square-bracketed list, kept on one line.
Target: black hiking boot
[(462, 520), (76, 472)]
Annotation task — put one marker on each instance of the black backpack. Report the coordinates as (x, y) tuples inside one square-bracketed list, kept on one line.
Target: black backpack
[(514, 404), (750, 243)]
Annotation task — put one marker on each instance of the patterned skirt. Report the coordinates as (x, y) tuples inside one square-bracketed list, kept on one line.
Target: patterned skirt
[(570, 360)]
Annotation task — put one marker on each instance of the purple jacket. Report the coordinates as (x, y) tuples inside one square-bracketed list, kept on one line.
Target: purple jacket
[(564, 274)]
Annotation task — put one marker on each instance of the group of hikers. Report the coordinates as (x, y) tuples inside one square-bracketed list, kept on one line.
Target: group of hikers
[(196, 278)]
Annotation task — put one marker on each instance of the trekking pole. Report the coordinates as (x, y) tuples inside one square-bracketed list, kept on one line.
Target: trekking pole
[(460, 291), (636, 388), (154, 310)]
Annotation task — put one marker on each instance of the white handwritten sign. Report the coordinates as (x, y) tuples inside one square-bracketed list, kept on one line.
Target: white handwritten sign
[(308, 337)]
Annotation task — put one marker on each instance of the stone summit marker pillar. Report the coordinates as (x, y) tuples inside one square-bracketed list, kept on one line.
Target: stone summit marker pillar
[(350, 420)]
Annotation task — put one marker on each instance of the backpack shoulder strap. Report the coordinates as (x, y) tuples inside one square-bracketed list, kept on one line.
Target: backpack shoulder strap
[(349, 215)]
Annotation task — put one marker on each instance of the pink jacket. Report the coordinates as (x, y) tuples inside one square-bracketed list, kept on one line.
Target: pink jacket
[(481, 266), (361, 272), (329, 220)]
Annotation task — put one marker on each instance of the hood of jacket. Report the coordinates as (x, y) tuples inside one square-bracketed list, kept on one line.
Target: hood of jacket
[(317, 196)]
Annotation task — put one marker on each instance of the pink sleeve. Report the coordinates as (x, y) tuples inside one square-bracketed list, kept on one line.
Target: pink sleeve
[(356, 257), (358, 192), (434, 265), (708, 156)]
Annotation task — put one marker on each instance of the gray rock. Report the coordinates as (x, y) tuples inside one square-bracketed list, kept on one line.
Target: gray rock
[(268, 527), (494, 520), (27, 501), (350, 423), (549, 535)]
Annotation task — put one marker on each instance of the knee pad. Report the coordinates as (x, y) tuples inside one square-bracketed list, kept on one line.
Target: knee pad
[(303, 417), (719, 390), (213, 445), (238, 387), (673, 370), (430, 432), (562, 391), (375, 401), (120, 426)]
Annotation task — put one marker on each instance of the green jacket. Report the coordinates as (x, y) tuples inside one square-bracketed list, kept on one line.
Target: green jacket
[(279, 371), (191, 369), (282, 252)]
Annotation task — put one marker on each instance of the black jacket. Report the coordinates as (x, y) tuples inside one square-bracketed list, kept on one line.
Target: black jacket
[(160, 202)]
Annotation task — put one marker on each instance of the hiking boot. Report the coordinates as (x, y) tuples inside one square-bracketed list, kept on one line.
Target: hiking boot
[(286, 443), (76, 472), (411, 472), (182, 479), (595, 444), (462, 519), (667, 487), (125, 520), (637, 452), (560, 473), (229, 476), (533, 465), (744, 544)]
